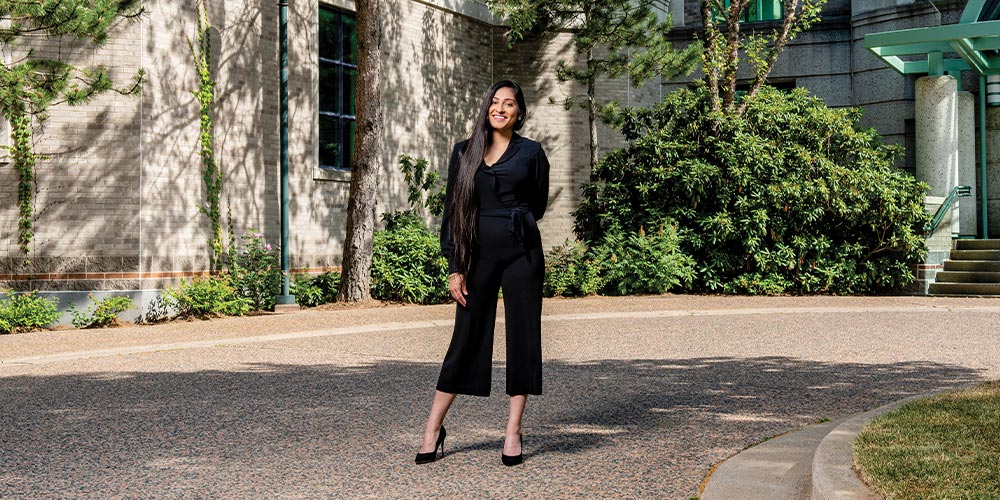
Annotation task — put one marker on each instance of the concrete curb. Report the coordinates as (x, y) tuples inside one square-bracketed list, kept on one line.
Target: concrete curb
[(833, 474)]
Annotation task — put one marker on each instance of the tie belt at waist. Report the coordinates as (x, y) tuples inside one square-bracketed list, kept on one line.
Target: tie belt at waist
[(516, 215)]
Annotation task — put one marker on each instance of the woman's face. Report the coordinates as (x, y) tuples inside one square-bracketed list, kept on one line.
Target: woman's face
[(503, 110)]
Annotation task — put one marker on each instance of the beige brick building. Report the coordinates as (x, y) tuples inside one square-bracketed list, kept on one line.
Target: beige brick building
[(118, 198)]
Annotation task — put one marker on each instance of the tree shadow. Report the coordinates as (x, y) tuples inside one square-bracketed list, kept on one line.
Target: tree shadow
[(621, 427)]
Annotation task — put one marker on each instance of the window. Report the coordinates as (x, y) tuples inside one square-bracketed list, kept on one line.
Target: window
[(338, 71), (763, 10)]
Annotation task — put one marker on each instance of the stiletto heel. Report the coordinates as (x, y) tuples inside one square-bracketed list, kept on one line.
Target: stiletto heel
[(430, 456), (511, 461)]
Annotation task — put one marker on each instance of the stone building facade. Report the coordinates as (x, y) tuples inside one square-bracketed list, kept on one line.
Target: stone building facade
[(118, 198)]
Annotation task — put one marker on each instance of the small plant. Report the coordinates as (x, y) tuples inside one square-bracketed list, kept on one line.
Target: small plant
[(256, 274), (636, 263), (157, 310), (570, 271), (316, 290), (24, 312), (105, 312), (424, 186), (407, 264), (206, 298)]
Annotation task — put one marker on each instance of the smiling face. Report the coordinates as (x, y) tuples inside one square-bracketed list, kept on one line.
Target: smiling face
[(504, 110)]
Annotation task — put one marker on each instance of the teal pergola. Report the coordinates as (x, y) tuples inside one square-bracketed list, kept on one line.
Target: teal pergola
[(971, 45)]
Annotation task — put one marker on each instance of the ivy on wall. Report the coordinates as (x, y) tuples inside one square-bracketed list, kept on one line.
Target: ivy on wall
[(201, 53)]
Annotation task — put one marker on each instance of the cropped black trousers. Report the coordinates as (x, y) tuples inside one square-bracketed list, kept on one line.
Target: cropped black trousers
[(501, 260)]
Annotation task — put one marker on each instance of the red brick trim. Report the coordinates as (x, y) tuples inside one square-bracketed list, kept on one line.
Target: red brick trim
[(132, 276)]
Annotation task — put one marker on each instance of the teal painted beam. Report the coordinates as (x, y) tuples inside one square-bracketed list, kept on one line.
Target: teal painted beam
[(914, 48), (986, 43), (945, 33), (972, 11), (975, 59), (983, 206)]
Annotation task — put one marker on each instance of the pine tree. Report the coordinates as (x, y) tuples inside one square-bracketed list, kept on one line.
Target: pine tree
[(614, 37), (30, 85)]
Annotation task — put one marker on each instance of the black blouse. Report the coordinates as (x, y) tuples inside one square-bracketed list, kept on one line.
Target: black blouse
[(520, 178)]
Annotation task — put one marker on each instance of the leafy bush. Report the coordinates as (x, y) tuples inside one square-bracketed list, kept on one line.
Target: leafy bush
[(570, 271), (256, 273), (407, 264), (105, 312), (315, 290), (792, 197), (158, 309), (638, 263), (22, 312), (207, 297)]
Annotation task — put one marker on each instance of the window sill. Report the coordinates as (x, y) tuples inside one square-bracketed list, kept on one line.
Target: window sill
[(332, 175)]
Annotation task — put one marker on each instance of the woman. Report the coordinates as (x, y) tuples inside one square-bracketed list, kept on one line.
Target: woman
[(498, 185)]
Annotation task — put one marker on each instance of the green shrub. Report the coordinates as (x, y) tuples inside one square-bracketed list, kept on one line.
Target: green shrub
[(22, 312), (315, 290), (105, 312), (207, 297), (570, 271), (642, 263), (407, 264), (157, 310), (791, 197), (256, 273)]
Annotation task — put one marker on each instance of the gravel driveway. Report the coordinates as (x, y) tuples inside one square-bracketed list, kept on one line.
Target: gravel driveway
[(643, 396)]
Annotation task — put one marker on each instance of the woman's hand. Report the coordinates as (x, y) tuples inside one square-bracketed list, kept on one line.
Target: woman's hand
[(456, 284)]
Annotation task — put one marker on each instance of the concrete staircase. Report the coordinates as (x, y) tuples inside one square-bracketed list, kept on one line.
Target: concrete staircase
[(972, 269)]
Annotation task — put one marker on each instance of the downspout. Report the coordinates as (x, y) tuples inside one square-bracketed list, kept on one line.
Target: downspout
[(285, 298), (984, 212)]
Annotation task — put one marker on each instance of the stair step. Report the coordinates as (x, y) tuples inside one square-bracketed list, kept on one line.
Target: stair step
[(977, 244), (986, 266), (964, 289), (975, 255), (967, 277)]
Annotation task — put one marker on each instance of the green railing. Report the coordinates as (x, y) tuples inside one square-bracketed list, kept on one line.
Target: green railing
[(956, 192)]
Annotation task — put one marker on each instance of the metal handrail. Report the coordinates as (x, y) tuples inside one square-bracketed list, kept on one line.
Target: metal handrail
[(956, 192)]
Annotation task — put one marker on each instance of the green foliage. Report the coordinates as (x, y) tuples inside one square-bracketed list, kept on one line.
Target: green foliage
[(421, 183), (728, 45), (22, 152), (207, 297), (201, 53), (31, 85), (21, 312), (157, 310), (790, 197), (256, 273), (315, 290), (105, 312), (640, 263), (407, 264), (570, 271)]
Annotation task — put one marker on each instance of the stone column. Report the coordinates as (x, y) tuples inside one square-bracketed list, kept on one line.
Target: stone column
[(967, 163), (937, 133), (993, 169), (937, 153)]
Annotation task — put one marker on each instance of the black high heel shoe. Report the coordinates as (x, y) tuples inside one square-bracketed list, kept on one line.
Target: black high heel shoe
[(430, 456), (511, 461)]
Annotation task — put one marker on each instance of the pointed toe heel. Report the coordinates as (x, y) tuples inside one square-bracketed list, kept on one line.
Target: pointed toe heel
[(512, 460), (431, 456)]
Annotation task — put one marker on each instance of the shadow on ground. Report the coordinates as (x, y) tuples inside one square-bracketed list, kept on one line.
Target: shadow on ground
[(635, 428)]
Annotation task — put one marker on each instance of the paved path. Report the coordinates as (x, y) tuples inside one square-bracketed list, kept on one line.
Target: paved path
[(643, 397)]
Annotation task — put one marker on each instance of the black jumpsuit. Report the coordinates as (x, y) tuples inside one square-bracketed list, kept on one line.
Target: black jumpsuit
[(507, 253)]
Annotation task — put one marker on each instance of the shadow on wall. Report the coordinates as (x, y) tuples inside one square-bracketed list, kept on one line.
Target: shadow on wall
[(340, 429)]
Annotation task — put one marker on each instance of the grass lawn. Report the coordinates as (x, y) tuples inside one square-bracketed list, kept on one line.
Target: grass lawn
[(944, 447)]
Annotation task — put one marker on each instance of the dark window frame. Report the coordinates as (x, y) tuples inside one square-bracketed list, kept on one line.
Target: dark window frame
[(342, 62)]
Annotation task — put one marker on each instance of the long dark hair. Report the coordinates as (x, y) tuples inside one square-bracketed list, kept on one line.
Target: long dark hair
[(462, 217)]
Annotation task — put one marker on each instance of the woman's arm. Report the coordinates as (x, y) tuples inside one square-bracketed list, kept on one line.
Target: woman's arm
[(540, 198)]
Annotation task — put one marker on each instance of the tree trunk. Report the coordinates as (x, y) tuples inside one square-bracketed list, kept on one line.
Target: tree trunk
[(355, 284), (592, 113)]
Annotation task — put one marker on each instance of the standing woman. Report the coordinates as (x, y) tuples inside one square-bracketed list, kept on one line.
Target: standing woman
[(498, 185)]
